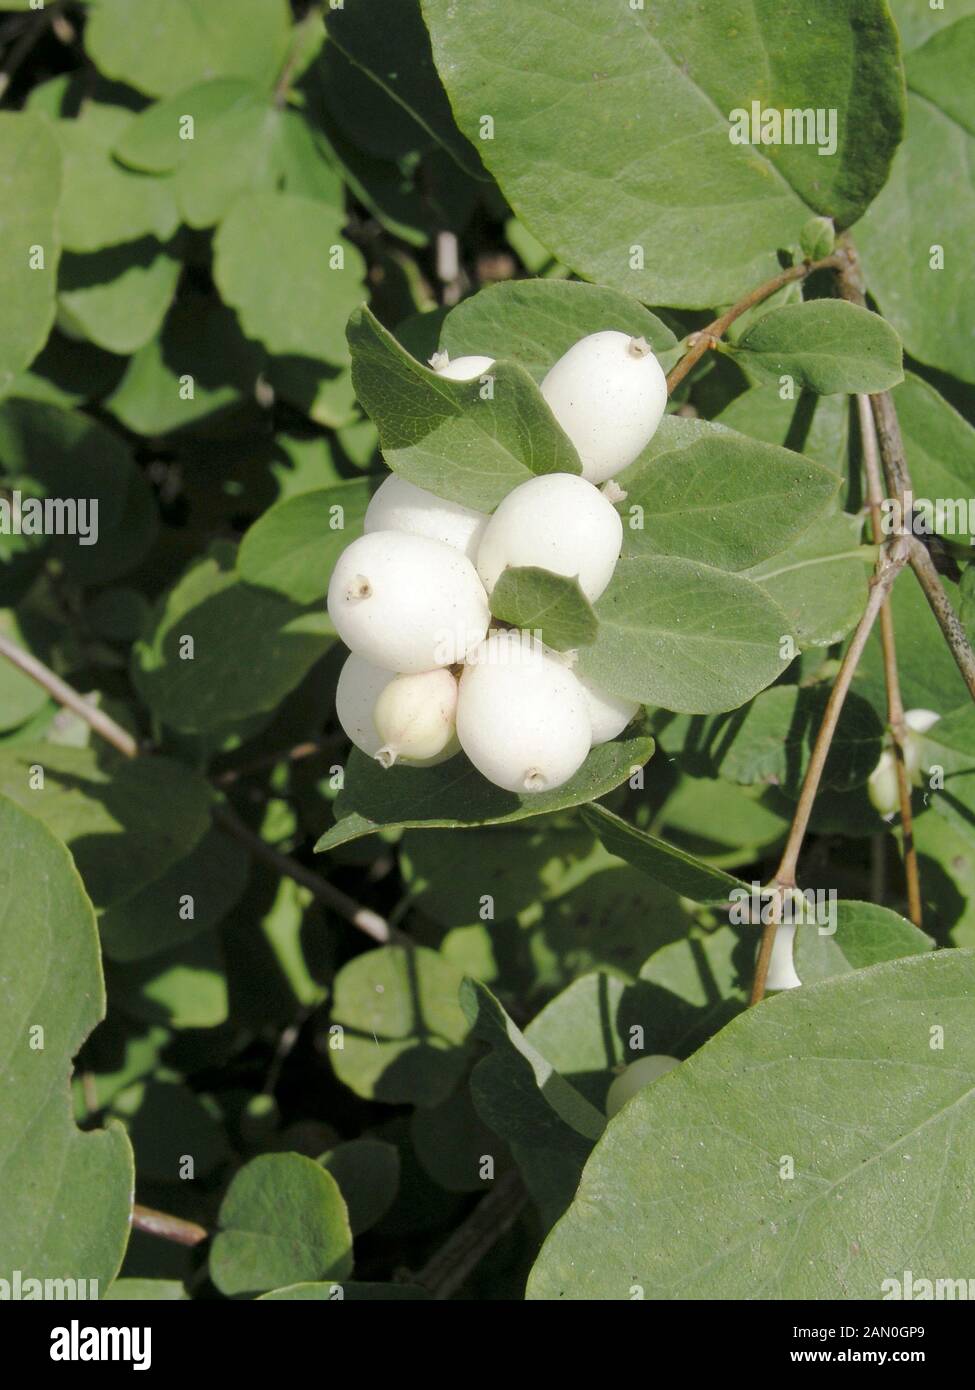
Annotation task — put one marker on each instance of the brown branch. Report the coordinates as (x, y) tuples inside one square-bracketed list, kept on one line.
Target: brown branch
[(361, 917), (889, 565), (895, 704), (899, 485), (167, 1227), (66, 695), (706, 338), (463, 1250)]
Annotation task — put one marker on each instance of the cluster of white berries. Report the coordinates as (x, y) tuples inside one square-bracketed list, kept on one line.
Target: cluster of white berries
[(427, 675)]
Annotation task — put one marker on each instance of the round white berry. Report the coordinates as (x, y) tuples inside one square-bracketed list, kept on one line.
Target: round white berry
[(406, 602), (398, 505), (608, 714), (522, 716), (781, 970), (415, 717), (643, 1072), (882, 786), (461, 368), (558, 522), (359, 686), (609, 394)]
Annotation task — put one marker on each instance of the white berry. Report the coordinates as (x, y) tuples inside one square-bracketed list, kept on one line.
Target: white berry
[(359, 686), (781, 970), (558, 522), (522, 716), (608, 714), (609, 394), (407, 603), (415, 717), (398, 505), (639, 1074), (461, 368), (882, 787)]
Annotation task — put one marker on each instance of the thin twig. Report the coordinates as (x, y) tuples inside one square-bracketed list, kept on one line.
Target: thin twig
[(463, 1250), (291, 755), (706, 338), (30, 36), (361, 917), (103, 724), (167, 1227), (895, 704), (899, 485), (889, 565)]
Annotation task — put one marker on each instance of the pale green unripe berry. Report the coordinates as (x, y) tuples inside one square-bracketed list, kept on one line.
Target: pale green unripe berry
[(781, 969), (639, 1074), (882, 785), (407, 603), (558, 522), (609, 394), (522, 716), (608, 714), (415, 717), (461, 368), (398, 505)]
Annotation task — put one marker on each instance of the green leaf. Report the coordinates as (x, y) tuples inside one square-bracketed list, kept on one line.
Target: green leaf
[(282, 1221), (940, 445), (77, 460), (931, 308), (162, 46), (820, 582), (534, 322), (390, 47), (30, 175), (666, 863), (451, 1142), (551, 604), (197, 670), (696, 490), (826, 345), (20, 697), (198, 365), (816, 426), (455, 794), (126, 821), (339, 1293), (142, 1290), (491, 1024), (367, 1172), (295, 303), (690, 989), (118, 297), (51, 997), (679, 634), (635, 119), (771, 740), (402, 1030), (102, 203), (444, 435), (293, 547), (183, 986), (839, 1076), (865, 934), (166, 1121)]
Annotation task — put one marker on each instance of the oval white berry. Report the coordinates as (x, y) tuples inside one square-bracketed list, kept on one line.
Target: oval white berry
[(882, 786), (781, 970), (415, 717), (398, 505), (406, 602), (359, 686), (558, 522), (608, 714), (609, 394), (461, 368), (643, 1072), (522, 717)]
